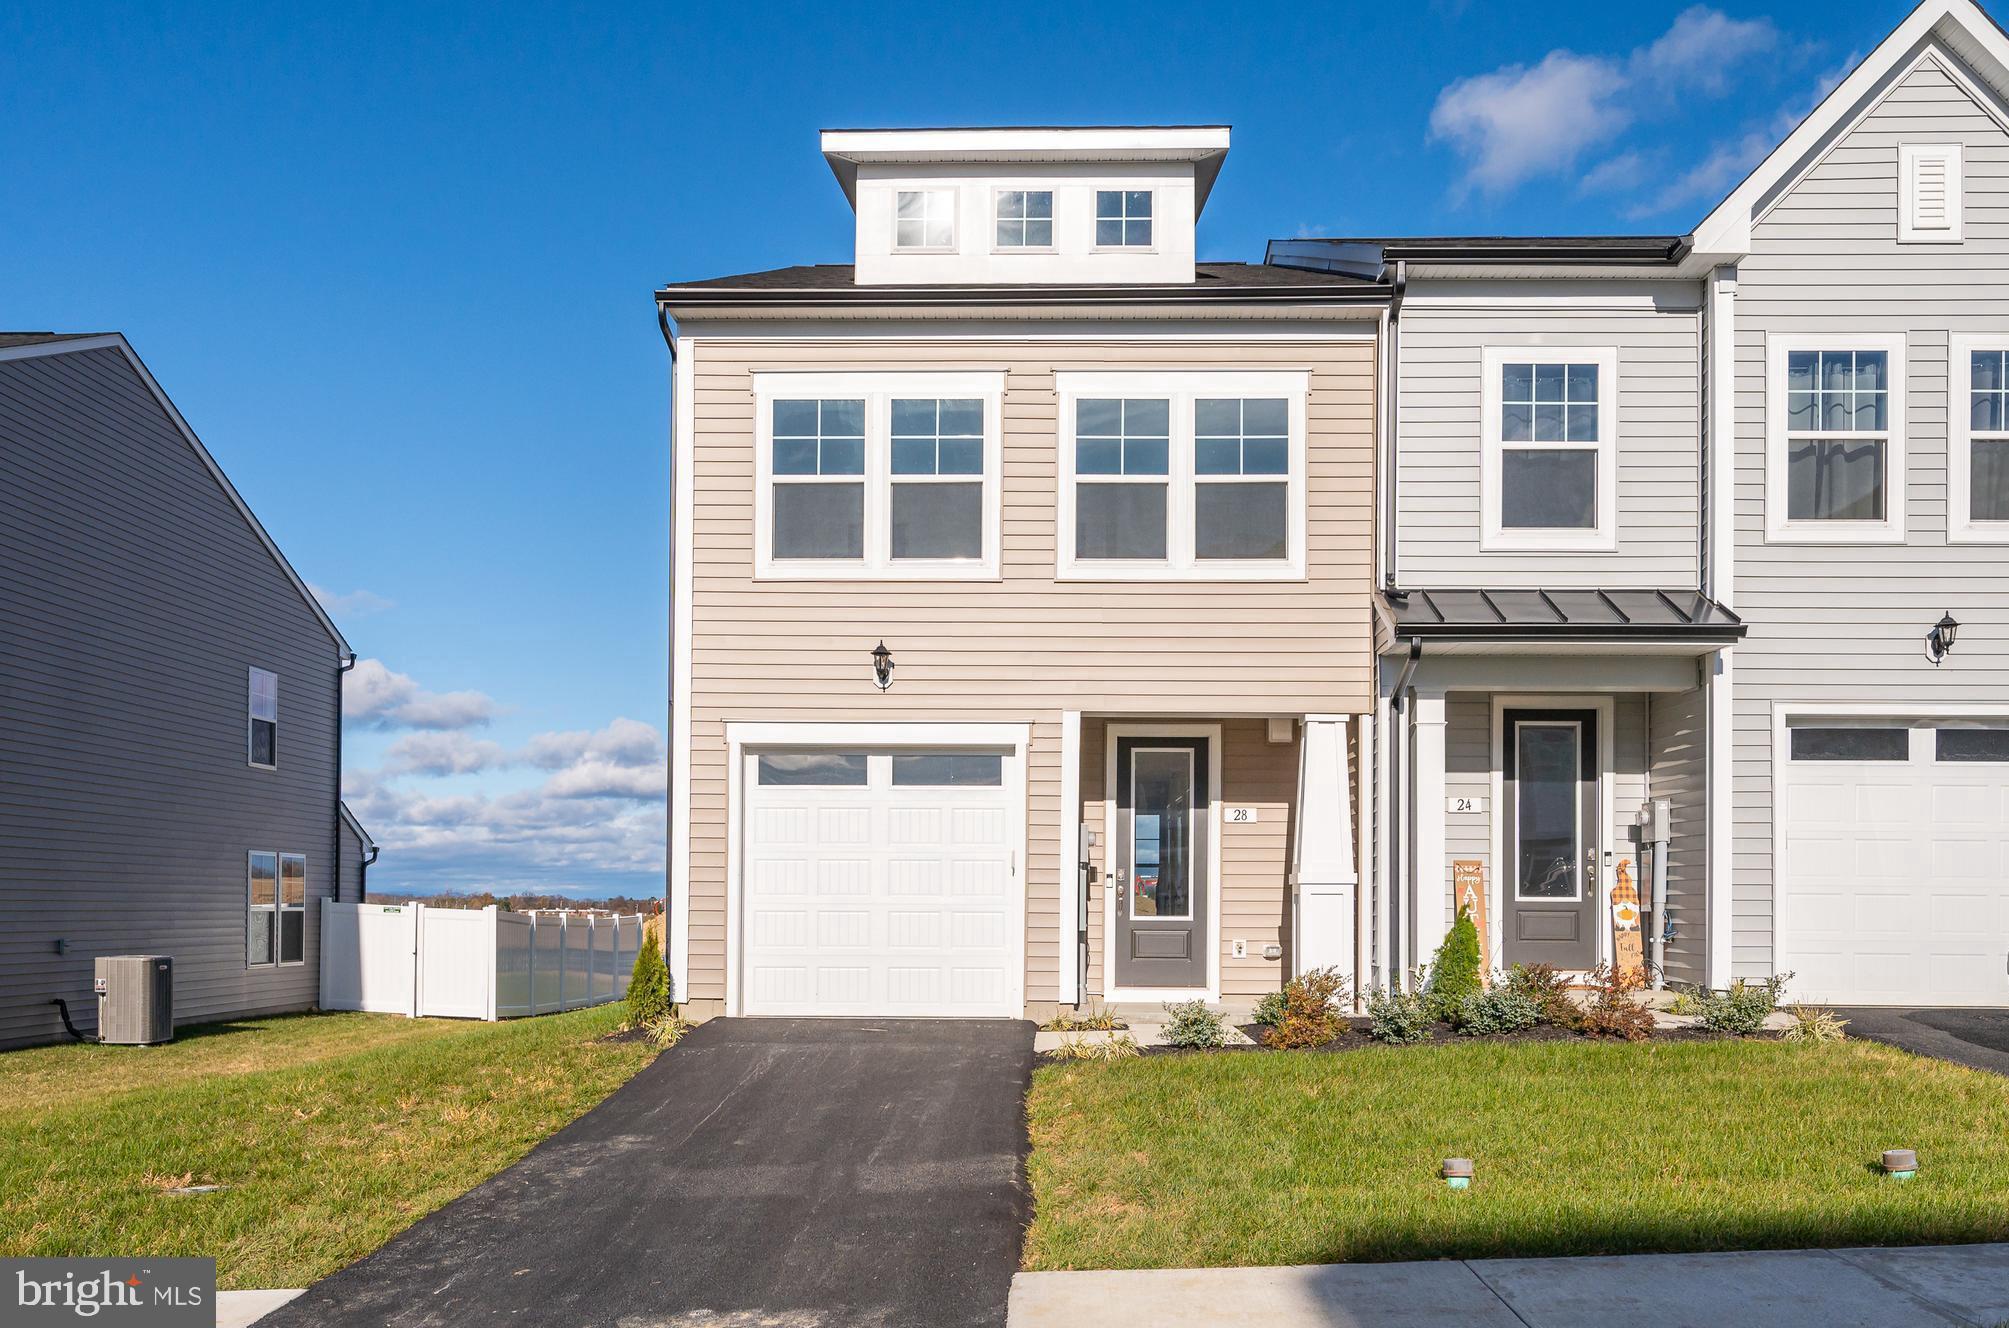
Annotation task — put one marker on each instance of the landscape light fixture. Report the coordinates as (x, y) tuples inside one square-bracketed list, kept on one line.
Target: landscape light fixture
[(882, 666), (1939, 641)]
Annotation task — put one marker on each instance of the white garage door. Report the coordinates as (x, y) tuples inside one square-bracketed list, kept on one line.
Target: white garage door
[(1895, 884), (881, 883)]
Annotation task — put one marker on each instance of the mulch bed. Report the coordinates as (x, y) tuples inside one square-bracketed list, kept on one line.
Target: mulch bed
[(1356, 1038)]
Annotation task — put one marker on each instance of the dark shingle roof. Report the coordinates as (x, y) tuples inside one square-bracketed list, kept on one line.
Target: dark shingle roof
[(835, 282), (11, 339), (1525, 615), (1625, 249)]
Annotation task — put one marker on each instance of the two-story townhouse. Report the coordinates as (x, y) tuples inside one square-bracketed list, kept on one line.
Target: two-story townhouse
[(170, 709), (1717, 520), (1022, 594)]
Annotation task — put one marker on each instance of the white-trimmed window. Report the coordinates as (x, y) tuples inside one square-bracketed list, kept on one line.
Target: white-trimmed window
[(1123, 219), (1930, 185), (276, 908), (1977, 463), (1182, 476), (261, 741), (877, 476), (1024, 219), (1548, 473), (1834, 439), (924, 220)]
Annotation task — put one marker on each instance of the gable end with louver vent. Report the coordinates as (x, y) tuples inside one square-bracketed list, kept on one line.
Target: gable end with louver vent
[(1929, 176)]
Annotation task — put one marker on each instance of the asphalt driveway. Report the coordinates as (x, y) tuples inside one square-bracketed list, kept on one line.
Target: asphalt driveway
[(1979, 1038), (780, 1173)]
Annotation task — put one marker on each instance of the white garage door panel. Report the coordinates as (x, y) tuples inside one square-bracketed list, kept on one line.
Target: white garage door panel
[(880, 900), (1894, 889)]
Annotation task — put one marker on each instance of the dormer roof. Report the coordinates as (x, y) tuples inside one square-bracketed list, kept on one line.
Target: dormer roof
[(1205, 146)]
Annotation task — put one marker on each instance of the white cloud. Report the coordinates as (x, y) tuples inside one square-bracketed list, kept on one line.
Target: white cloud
[(375, 696), (355, 604), (1521, 122), (1730, 160), (439, 753), (1627, 170), (625, 742)]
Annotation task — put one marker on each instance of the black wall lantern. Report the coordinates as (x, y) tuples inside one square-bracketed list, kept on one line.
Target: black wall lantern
[(1939, 641), (882, 666)]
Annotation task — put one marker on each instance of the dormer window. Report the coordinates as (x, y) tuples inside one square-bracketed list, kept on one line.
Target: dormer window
[(1123, 218), (1025, 219), (924, 220)]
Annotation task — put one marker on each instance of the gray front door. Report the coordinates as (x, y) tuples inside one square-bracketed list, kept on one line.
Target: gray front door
[(1551, 840), (1160, 860)]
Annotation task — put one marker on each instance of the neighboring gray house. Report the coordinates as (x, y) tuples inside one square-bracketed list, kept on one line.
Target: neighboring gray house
[(1723, 519), (170, 708)]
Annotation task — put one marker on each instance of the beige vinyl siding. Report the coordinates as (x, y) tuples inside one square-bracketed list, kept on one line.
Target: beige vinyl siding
[(1659, 429), (1847, 624), (1023, 647), (1677, 746)]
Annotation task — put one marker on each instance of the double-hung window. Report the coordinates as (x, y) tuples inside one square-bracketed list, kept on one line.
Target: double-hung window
[(1182, 476), (262, 736), (1977, 464), (1834, 463), (1123, 219), (276, 908), (877, 476), (1549, 441), (924, 220), (1024, 219)]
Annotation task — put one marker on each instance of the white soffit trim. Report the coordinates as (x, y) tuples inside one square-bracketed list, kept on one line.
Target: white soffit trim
[(117, 340), (1203, 145), (1960, 25)]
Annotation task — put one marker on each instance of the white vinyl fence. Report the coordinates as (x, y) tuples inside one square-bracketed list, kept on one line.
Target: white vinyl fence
[(464, 963)]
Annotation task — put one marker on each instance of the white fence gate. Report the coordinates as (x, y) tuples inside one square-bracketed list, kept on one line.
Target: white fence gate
[(461, 963)]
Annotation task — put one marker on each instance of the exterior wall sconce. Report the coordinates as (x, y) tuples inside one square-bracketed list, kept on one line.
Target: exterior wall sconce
[(1939, 641), (882, 666)]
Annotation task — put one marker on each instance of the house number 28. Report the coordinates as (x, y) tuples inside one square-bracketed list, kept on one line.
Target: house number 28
[(1240, 815)]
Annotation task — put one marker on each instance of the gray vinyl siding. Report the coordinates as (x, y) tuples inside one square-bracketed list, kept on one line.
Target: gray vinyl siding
[(351, 874), (1847, 624), (1678, 770), (1438, 522), (134, 599)]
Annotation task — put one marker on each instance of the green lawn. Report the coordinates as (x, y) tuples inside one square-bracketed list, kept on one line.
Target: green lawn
[(333, 1132), (1580, 1148)]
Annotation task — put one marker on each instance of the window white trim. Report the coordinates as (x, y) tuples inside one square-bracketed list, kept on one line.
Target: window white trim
[(1961, 528), (253, 695), (1095, 191), (1053, 221), (274, 913), (877, 390), (1913, 226), (933, 198), (1778, 528), (1182, 389), (1493, 536)]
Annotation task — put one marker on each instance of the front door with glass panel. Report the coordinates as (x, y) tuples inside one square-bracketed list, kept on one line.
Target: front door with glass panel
[(1160, 862), (1550, 839)]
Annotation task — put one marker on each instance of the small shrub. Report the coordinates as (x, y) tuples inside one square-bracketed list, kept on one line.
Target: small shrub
[(1192, 1024), (1614, 1010), (1454, 970), (1269, 1010), (648, 986), (1115, 1047), (1100, 1020), (1308, 1018), (1687, 1002), (1743, 1008), (1814, 1023), (1398, 1017), (1500, 1010), (668, 1031), (1548, 989)]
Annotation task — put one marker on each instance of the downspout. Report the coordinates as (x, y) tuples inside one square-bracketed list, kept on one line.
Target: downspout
[(363, 874), (1398, 814), (670, 780), (1392, 405), (335, 858)]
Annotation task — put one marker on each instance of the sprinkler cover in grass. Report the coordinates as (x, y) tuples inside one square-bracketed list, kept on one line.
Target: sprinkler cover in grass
[(1900, 1163), (1457, 1172)]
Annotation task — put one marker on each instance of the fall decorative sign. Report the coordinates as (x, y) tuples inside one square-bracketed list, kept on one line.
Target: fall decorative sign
[(1468, 891), (1627, 953)]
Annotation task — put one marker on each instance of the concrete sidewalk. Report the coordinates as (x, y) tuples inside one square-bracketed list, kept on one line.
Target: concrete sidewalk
[(1931, 1286)]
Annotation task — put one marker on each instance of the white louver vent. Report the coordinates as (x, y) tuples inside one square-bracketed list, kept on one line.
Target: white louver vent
[(1929, 211)]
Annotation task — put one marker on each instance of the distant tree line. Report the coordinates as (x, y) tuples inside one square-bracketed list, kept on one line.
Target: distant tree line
[(518, 903)]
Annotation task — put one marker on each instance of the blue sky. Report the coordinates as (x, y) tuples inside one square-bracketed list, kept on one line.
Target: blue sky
[(394, 265)]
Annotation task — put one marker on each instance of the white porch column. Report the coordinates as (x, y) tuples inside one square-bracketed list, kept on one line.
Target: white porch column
[(1721, 841), (1327, 874), (1429, 889), (1363, 909), (1387, 843)]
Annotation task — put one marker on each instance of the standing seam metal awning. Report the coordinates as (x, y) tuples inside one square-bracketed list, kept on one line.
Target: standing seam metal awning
[(1561, 615)]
